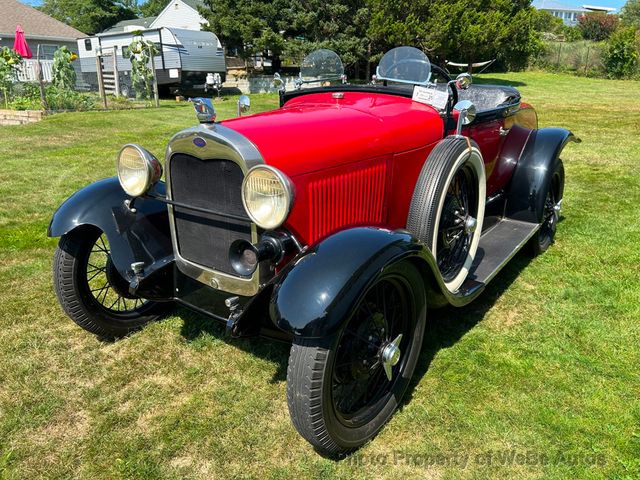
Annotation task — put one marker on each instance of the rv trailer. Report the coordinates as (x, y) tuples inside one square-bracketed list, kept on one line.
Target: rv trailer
[(185, 58)]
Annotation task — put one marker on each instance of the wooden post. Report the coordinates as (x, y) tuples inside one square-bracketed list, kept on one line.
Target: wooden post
[(155, 77), (559, 50), (586, 62), (43, 95), (116, 79), (100, 79)]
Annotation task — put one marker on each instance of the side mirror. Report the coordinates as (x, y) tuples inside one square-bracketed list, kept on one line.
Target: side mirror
[(243, 105), (205, 110), (277, 81), (466, 114), (464, 81)]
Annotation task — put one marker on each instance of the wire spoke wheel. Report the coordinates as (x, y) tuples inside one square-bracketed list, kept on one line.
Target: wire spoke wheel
[(457, 223), (359, 380), (92, 292), (342, 389), (106, 285)]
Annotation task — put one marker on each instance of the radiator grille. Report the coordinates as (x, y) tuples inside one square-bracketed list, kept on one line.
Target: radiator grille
[(205, 238), (348, 199)]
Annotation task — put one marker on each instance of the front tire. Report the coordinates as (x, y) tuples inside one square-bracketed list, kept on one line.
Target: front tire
[(341, 395), (91, 291)]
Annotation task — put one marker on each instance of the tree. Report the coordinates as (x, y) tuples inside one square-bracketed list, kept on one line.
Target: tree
[(630, 15), (89, 16), (151, 8), (621, 53), (459, 30), (597, 26), (281, 27)]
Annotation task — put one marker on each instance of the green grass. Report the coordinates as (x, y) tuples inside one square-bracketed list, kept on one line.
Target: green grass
[(545, 363)]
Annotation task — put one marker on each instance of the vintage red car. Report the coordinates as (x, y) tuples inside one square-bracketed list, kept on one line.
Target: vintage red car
[(335, 222)]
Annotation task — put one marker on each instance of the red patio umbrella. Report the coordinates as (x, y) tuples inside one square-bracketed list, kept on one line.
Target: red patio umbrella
[(20, 44)]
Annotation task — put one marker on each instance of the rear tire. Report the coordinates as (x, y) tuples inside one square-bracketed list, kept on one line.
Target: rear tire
[(340, 396), (91, 291), (544, 237)]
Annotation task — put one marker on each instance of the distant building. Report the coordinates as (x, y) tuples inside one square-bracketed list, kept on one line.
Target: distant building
[(39, 29), (177, 14), (568, 13)]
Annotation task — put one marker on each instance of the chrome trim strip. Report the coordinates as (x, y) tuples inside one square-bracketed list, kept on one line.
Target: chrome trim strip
[(221, 143)]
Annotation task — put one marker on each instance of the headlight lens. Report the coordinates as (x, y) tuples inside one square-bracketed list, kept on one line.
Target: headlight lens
[(267, 196), (138, 170)]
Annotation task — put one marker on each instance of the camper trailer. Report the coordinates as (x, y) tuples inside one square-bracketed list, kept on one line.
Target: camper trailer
[(185, 58)]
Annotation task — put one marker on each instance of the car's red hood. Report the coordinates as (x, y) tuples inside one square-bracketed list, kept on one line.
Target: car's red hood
[(318, 131)]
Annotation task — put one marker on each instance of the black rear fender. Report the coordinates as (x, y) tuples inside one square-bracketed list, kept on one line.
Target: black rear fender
[(528, 188)]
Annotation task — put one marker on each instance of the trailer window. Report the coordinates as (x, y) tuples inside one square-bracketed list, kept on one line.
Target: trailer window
[(87, 44), (125, 53)]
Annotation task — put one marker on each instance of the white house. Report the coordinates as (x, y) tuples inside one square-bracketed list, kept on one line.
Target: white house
[(568, 13), (177, 14)]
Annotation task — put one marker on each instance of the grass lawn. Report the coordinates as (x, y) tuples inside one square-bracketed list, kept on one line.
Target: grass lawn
[(539, 378)]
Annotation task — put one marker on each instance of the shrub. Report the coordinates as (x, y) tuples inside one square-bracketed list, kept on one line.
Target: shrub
[(26, 96), (621, 54), (9, 61), (62, 99), (597, 26)]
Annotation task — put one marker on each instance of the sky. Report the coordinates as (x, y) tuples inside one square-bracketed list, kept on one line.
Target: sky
[(602, 3)]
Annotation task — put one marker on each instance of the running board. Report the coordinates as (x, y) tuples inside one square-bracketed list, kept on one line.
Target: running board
[(498, 246)]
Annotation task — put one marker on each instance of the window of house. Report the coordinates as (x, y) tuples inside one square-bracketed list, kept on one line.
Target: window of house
[(47, 51), (125, 53), (87, 44)]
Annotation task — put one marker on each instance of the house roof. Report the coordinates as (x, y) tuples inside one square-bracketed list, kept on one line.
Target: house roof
[(34, 22), (194, 3), (558, 6), (144, 22)]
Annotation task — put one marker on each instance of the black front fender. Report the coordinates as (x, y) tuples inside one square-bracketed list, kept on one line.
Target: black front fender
[(528, 189), (314, 295), (143, 236)]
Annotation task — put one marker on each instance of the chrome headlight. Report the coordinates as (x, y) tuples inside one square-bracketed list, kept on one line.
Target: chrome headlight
[(138, 170), (267, 196)]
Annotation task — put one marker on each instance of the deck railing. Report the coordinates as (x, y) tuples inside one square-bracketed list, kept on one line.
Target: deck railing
[(28, 70)]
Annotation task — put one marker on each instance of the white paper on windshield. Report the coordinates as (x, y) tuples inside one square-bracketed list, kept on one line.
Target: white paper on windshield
[(430, 96)]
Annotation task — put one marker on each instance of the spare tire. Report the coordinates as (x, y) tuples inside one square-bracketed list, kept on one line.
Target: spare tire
[(447, 208)]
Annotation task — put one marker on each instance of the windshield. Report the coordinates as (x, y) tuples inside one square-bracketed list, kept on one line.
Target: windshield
[(321, 65), (405, 65)]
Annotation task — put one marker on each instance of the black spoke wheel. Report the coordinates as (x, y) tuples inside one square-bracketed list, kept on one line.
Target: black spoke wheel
[(545, 236), (454, 238), (92, 292), (339, 397), (447, 208)]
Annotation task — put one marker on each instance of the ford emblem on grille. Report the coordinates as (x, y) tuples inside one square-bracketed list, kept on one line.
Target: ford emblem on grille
[(199, 142)]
